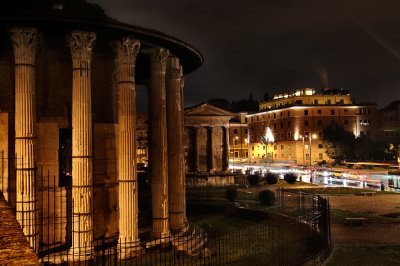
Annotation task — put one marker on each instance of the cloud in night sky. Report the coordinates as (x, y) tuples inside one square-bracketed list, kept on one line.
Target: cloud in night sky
[(275, 46)]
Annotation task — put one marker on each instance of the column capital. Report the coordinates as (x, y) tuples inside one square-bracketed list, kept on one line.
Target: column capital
[(127, 50), (158, 57), (24, 41), (81, 44)]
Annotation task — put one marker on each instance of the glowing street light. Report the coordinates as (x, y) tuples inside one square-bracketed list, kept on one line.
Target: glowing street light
[(311, 137), (233, 159), (269, 138)]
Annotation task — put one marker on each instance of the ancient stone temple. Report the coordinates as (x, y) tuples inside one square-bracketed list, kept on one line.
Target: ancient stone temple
[(68, 77), (207, 144)]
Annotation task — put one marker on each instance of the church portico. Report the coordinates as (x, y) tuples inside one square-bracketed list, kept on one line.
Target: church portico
[(206, 138)]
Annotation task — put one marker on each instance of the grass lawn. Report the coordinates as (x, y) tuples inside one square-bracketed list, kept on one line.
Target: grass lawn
[(337, 216), (365, 255), (220, 222)]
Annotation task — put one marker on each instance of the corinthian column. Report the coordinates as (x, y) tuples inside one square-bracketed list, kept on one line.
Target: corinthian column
[(128, 241), (196, 150), (176, 159), (81, 44), (211, 149), (24, 42), (158, 142), (225, 149)]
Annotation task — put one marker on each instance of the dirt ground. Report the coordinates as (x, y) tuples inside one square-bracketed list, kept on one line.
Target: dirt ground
[(371, 233)]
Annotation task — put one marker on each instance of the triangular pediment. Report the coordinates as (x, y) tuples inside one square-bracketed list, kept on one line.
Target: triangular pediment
[(206, 109)]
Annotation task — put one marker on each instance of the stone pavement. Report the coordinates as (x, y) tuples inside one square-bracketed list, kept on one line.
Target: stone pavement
[(14, 248)]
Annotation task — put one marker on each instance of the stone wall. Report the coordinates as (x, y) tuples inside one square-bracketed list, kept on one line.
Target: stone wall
[(105, 201), (7, 173), (210, 180), (14, 248)]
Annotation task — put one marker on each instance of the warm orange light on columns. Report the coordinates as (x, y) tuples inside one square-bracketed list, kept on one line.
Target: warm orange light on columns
[(24, 42), (158, 142), (176, 159), (127, 50), (81, 44)]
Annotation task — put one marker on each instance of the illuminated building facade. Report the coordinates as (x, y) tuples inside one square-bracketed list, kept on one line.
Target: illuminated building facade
[(296, 122), (238, 139)]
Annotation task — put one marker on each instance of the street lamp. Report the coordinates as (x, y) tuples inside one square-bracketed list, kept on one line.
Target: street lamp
[(311, 137), (269, 138), (234, 144)]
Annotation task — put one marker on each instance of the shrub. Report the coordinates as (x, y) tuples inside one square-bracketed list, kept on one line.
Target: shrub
[(254, 180), (290, 178), (267, 197), (231, 193), (271, 178)]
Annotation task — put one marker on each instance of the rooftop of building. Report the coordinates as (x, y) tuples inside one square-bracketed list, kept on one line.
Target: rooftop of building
[(309, 92)]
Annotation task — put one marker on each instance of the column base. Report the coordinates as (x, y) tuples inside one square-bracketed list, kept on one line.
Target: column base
[(164, 239), (128, 250), (177, 222), (182, 231), (81, 254)]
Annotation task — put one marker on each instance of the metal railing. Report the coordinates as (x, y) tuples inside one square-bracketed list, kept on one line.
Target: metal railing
[(296, 231)]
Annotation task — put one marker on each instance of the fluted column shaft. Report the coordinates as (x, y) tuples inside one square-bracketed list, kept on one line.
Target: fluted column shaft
[(176, 159), (24, 42), (196, 133), (225, 156), (158, 142), (127, 51), (211, 149), (81, 44)]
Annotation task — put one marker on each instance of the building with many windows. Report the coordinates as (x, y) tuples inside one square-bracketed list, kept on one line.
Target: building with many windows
[(390, 122), (289, 127)]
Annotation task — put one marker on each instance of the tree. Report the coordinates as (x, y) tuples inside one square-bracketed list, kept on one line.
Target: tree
[(393, 152), (339, 143), (266, 97), (221, 103)]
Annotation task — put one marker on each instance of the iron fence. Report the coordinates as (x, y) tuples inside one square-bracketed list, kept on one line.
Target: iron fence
[(296, 232)]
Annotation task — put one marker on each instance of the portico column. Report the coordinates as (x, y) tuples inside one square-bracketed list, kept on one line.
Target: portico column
[(211, 149), (225, 156), (196, 133), (127, 50), (158, 142), (81, 44), (24, 42), (176, 160)]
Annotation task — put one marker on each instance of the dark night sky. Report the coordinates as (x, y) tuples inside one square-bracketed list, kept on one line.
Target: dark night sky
[(279, 45)]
